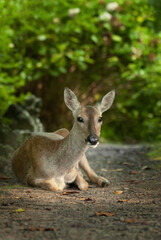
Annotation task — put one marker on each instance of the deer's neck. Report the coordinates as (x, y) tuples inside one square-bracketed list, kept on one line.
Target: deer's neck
[(73, 147)]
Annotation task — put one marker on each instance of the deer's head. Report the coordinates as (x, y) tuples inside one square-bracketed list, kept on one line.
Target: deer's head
[(88, 119)]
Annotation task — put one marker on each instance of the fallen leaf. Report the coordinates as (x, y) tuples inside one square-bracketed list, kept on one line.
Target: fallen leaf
[(104, 170), (79, 225), (31, 229), (17, 197), (133, 181), (42, 229), (89, 199), (105, 214), (119, 169), (137, 182), (48, 209), (19, 210), (82, 199), (125, 188), (86, 199), (127, 163), (134, 172), (131, 220), (70, 192), (145, 168), (116, 170), (118, 192), (130, 181), (123, 200)]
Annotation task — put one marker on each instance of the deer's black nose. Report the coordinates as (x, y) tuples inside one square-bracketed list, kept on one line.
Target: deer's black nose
[(92, 139)]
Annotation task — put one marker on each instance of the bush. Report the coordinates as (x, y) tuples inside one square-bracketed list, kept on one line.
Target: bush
[(89, 45)]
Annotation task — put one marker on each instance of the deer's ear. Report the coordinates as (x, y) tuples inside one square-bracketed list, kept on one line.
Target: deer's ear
[(107, 101), (70, 99)]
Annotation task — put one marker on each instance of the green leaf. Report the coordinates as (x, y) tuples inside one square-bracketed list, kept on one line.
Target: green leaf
[(116, 38), (94, 38)]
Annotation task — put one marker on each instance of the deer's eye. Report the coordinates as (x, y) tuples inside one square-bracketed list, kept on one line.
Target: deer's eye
[(80, 119), (100, 119)]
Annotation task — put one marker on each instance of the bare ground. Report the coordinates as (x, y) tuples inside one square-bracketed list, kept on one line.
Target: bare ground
[(130, 208)]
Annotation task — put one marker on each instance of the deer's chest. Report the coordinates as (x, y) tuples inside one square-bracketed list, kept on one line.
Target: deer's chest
[(71, 174)]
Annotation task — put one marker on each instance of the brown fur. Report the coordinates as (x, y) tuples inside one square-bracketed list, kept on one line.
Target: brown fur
[(50, 160)]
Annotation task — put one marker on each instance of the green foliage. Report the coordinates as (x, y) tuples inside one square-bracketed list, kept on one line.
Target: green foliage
[(155, 154), (157, 13), (115, 48)]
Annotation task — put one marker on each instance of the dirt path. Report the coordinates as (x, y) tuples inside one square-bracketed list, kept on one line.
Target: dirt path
[(131, 205)]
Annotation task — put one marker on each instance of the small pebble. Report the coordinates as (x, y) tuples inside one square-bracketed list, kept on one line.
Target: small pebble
[(122, 219)]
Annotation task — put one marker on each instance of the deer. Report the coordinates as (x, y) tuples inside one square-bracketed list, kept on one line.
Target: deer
[(52, 160)]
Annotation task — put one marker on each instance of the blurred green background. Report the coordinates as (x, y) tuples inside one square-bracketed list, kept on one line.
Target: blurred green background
[(92, 47)]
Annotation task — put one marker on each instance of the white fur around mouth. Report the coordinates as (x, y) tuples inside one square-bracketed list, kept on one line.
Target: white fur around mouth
[(93, 146)]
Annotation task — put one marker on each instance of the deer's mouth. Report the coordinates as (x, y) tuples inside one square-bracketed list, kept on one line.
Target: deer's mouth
[(93, 145)]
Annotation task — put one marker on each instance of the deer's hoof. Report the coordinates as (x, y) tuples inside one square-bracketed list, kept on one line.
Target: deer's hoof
[(105, 183), (84, 186)]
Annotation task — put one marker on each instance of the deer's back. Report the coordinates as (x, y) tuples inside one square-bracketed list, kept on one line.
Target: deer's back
[(33, 152)]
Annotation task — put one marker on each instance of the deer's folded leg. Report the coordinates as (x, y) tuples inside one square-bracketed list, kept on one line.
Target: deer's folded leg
[(47, 184), (93, 177)]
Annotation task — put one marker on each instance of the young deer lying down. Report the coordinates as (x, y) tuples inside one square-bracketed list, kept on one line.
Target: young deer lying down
[(50, 160)]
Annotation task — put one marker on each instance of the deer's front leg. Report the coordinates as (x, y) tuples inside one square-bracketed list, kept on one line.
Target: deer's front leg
[(93, 177), (80, 182)]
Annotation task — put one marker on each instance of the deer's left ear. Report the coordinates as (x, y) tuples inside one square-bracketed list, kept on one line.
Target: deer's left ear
[(107, 101)]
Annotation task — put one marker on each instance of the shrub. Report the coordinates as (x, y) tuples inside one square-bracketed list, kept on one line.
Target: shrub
[(95, 44)]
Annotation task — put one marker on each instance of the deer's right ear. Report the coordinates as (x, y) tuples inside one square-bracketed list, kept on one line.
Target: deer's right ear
[(70, 99)]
